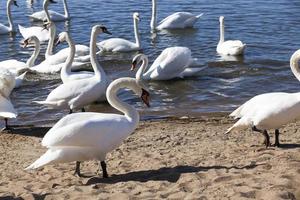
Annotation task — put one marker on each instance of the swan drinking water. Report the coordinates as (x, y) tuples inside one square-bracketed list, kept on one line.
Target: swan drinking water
[(122, 45), (79, 93), (229, 47), (270, 110), (8, 29), (173, 62), (177, 20), (54, 16), (90, 136)]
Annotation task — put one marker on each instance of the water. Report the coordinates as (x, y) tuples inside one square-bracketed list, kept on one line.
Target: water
[(269, 28)]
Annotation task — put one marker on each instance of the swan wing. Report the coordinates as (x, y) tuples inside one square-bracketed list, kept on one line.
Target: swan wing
[(88, 129), (231, 47), (41, 16), (41, 33), (13, 65), (117, 45), (6, 108), (177, 20), (170, 63)]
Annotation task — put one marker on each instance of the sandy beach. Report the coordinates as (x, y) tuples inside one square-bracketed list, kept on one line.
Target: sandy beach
[(172, 158)]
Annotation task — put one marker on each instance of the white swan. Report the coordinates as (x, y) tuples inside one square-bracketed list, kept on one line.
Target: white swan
[(8, 29), (7, 84), (173, 62), (270, 110), (177, 20), (229, 47), (122, 45), (54, 16), (15, 66), (54, 62), (90, 136), (79, 93)]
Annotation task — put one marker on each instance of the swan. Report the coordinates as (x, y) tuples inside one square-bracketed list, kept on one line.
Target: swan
[(177, 20), (15, 66), (19, 80), (79, 93), (173, 62), (54, 16), (54, 62), (122, 45), (229, 47), (7, 84), (8, 29), (89, 136), (270, 110)]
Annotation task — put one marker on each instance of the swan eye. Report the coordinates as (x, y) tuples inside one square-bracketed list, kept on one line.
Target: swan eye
[(145, 97)]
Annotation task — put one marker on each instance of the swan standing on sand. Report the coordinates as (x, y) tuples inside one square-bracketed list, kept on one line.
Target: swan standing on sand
[(7, 84), (90, 136), (122, 45), (173, 62), (79, 93), (15, 66), (270, 110), (177, 20), (54, 16), (229, 47), (10, 28)]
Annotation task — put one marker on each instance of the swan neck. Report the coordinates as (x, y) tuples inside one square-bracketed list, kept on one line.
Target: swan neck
[(153, 18), (295, 65), (99, 72), (30, 62), (9, 18), (222, 37), (67, 68), (111, 94), (66, 9), (136, 33), (52, 32), (140, 73), (45, 7)]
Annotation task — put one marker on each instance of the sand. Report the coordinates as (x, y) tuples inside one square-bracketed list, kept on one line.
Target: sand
[(172, 158)]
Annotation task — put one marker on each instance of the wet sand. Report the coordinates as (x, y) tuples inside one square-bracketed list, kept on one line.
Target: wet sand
[(172, 158)]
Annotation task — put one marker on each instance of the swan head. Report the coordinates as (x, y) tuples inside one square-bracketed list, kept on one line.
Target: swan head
[(141, 90), (221, 19), (136, 16), (61, 38), (29, 40), (137, 60), (47, 25), (15, 3), (100, 29)]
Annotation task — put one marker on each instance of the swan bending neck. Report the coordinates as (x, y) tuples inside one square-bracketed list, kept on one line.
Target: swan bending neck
[(140, 73), (66, 9), (30, 62)]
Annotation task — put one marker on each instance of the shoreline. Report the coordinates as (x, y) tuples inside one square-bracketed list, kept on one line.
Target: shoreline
[(170, 158)]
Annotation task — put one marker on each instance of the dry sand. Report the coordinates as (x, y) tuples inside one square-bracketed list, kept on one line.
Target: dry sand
[(173, 158)]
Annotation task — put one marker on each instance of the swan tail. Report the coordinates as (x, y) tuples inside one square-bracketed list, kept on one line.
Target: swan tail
[(242, 123), (200, 15), (187, 72), (19, 80), (49, 157)]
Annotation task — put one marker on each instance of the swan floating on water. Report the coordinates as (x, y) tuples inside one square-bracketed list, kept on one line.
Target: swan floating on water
[(79, 93), (122, 45), (7, 84), (229, 47), (270, 110), (173, 62), (177, 20), (8, 29), (90, 136), (54, 16)]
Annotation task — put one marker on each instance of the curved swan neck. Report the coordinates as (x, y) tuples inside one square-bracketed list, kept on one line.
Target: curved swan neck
[(222, 37), (111, 94), (136, 33), (153, 18), (295, 65), (9, 18), (99, 72), (37, 47), (45, 7), (140, 73), (67, 68), (66, 9), (52, 32)]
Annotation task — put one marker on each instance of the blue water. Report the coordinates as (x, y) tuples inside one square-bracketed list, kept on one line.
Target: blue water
[(270, 29)]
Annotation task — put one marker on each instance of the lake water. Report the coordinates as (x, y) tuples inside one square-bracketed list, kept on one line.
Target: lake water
[(271, 30)]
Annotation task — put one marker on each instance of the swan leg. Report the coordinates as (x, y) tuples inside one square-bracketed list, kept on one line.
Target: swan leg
[(71, 111), (82, 110), (277, 144), (103, 166), (265, 133), (6, 128), (77, 169)]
